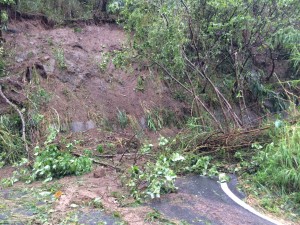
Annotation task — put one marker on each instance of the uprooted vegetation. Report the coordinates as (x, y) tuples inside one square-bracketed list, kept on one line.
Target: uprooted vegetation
[(220, 78)]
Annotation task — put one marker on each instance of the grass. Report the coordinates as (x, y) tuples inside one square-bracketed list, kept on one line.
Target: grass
[(156, 216), (140, 86), (122, 118), (280, 161), (11, 145), (59, 10), (59, 55), (275, 186)]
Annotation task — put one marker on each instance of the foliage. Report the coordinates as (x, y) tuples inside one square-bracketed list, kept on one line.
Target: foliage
[(213, 49), (202, 166), (51, 161), (122, 118), (60, 9), (158, 117), (158, 177), (154, 121), (2, 62), (7, 2), (38, 98), (156, 216), (60, 58), (272, 174), (97, 203), (11, 145), (3, 14), (119, 58), (281, 160), (100, 149), (140, 86), (105, 57)]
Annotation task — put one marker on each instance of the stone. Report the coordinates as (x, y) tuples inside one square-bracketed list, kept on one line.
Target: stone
[(82, 126), (99, 173), (143, 123), (78, 127), (49, 66), (90, 125), (19, 59)]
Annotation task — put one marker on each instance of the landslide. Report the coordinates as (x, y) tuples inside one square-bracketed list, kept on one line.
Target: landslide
[(66, 62)]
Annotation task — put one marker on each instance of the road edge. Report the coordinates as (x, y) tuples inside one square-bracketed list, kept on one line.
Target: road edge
[(241, 203)]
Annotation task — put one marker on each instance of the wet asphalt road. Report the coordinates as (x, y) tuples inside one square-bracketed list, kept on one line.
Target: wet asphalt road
[(200, 200)]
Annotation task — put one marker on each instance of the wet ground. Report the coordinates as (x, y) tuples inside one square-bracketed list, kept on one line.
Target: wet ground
[(200, 200), (23, 207)]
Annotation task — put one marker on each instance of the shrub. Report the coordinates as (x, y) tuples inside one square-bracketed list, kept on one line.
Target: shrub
[(157, 177), (11, 144), (213, 50), (280, 160), (52, 162)]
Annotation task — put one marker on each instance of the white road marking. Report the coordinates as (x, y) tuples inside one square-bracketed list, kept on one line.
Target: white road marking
[(228, 192)]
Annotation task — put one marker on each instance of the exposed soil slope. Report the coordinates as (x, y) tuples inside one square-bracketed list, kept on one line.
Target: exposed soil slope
[(80, 88), (84, 101)]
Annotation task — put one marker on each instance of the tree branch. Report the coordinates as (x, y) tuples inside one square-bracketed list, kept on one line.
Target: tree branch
[(22, 119)]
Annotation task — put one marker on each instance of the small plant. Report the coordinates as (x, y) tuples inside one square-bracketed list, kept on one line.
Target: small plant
[(60, 57), (154, 120), (2, 62), (158, 176), (38, 97), (281, 159), (50, 41), (123, 119), (97, 203), (21, 174), (111, 146), (105, 58), (52, 162), (120, 58), (77, 30), (116, 214), (156, 216), (100, 149), (157, 118), (147, 148), (203, 167), (11, 145), (151, 123), (140, 86)]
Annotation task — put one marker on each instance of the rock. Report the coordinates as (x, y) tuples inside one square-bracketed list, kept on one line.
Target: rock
[(90, 125), (99, 173), (82, 126), (49, 66), (46, 58), (143, 123), (74, 206), (78, 127), (19, 59)]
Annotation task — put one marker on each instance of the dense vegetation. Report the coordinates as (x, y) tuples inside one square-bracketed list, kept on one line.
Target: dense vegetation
[(232, 61), (229, 59), (221, 53)]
